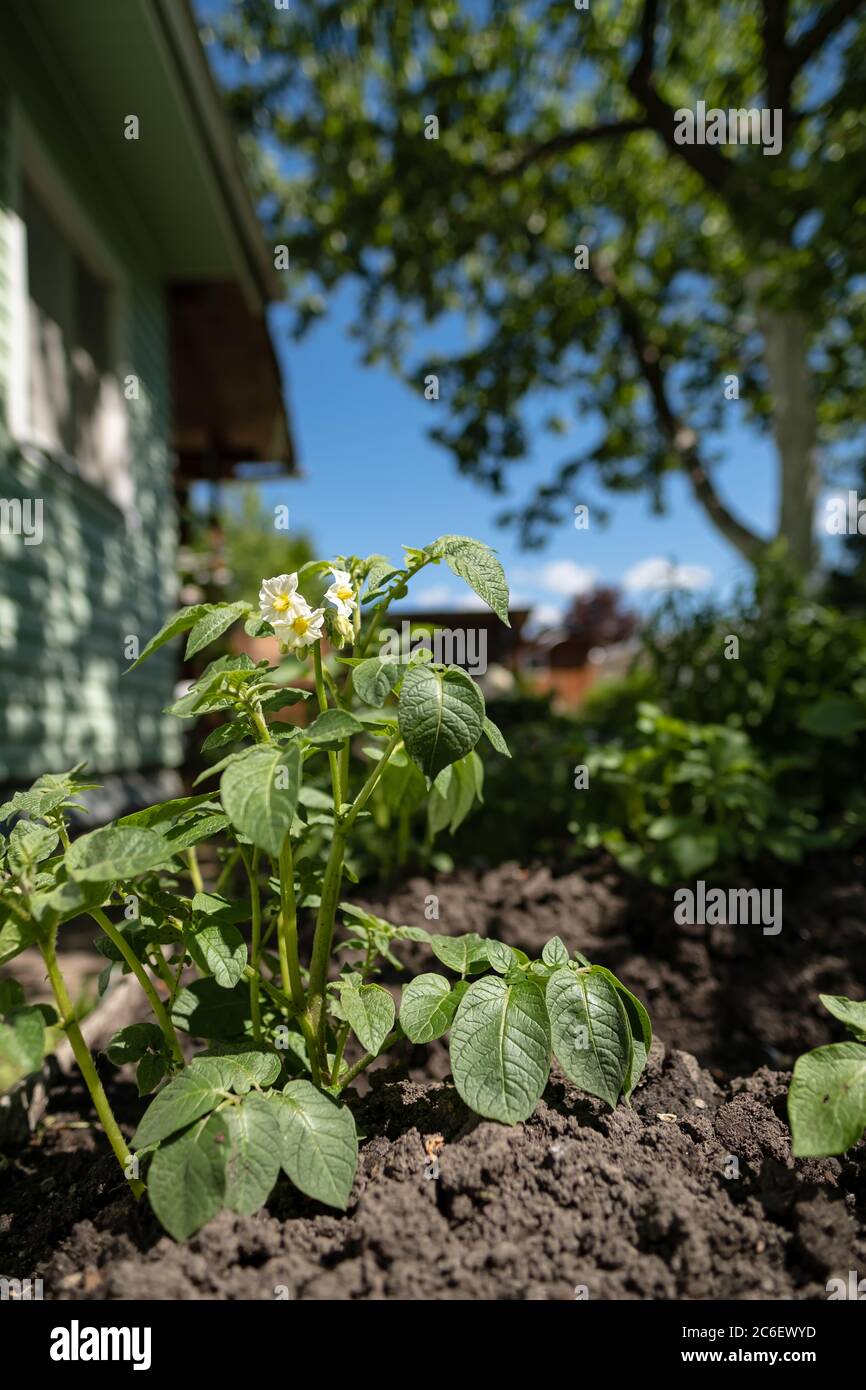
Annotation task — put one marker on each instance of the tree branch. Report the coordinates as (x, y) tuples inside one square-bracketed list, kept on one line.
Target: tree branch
[(776, 55), (515, 163), (823, 29), (681, 440), (714, 169)]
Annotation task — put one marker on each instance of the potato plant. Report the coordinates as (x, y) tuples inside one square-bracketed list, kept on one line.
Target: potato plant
[(285, 1037), (827, 1095)]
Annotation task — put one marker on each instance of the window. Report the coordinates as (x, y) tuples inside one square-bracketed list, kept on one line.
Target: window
[(69, 368), (68, 297)]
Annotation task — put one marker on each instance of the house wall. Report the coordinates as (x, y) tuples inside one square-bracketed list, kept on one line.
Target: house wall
[(101, 573)]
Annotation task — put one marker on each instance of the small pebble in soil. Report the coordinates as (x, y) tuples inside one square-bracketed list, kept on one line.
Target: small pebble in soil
[(665, 1115)]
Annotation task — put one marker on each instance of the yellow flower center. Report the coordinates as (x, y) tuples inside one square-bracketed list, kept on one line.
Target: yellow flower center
[(344, 592), (300, 625), (281, 603)]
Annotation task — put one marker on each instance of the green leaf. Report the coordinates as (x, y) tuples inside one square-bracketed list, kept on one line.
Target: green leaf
[(374, 679), (15, 936), (427, 1008), (466, 955), (851, 1012), (131, 1043), (441, 715), (319, 1143), (212, 625), (501, 957), (225, 952), (479, 566), (29, 844), (151, 1069), (500, 1048), (590, 1031), (834, 716), (164, 811), (555, 952), (233, 732), (693, 853), (254, 1153), (67, 900), (207, 1011), (186, 1098), (186, 1178), (260, 794), (192, 830), (115, 852), (827, 1100), (495, 736), (641, 1031), (333, 726), (22, 1039), (237, 1066), (178, 623), (369, 1011)]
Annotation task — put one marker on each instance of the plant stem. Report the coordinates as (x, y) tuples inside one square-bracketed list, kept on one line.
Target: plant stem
[(194, 870), (86, 1066), (119, 940), (260, 722), (288, 931), (342, 1036), (256, 919), (322, 698), (324, 933), (226, 870), (363, 1062), (364, 794)]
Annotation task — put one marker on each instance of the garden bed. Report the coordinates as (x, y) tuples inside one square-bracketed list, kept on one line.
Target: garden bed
[(692, 1194)]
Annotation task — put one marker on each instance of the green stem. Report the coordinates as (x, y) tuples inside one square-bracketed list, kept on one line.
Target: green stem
[(260, 722), (363, 1062), (364, 794), (256, 919), (194, 870), (322, 698), (342, 1037), (288, 933), (324, 933), (119, 940), (81, 1053), (227, 870)]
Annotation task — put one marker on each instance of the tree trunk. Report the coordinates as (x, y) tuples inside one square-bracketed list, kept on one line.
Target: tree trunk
[(785, 337)]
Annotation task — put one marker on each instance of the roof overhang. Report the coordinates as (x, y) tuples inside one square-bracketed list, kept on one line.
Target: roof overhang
[(178, 196)]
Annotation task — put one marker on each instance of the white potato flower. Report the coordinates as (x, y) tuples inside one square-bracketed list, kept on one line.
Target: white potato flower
[(341, 593), (301, 626), (277, 597)]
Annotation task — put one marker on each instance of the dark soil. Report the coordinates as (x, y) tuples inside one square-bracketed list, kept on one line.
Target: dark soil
[(735, 998), (690, 1195)]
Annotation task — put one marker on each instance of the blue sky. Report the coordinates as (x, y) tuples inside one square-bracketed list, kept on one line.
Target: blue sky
[(372, 480)]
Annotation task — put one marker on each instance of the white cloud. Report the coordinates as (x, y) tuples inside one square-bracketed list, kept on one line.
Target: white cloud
[(434, 596), (546, 615), (657, 575), (566, 578)]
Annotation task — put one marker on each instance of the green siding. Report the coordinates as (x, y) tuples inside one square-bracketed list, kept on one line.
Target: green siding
[(68, 605)]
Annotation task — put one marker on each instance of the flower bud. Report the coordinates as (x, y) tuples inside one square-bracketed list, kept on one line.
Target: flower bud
[(339, 629)]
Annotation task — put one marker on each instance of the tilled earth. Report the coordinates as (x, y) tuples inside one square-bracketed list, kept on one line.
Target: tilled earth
[(692, 1194)]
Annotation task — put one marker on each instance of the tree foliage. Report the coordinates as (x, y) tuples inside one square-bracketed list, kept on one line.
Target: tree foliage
[(556, 130)]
